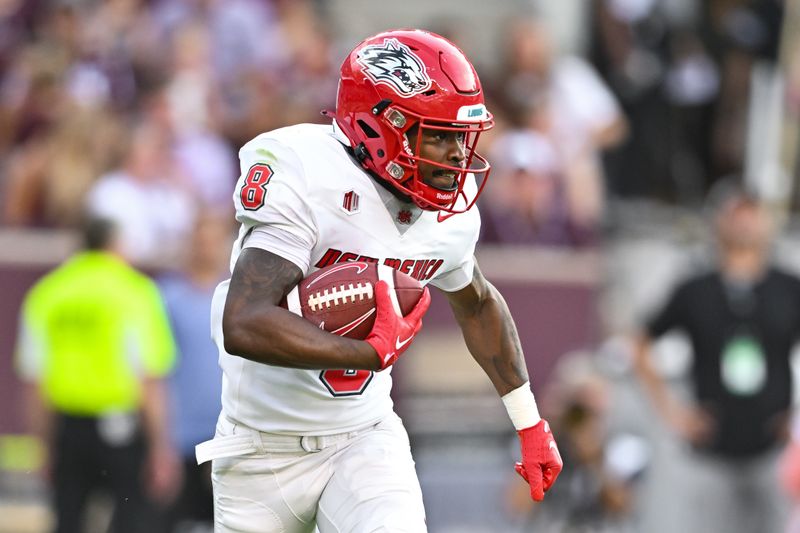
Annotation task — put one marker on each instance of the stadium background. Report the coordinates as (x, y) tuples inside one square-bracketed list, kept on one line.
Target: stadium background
[(71, 69)]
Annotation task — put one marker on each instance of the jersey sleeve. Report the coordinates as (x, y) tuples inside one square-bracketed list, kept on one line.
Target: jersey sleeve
[(272, 202), (457, 278)]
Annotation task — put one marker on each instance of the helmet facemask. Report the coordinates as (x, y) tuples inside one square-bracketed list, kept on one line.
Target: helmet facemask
[(404, 170)]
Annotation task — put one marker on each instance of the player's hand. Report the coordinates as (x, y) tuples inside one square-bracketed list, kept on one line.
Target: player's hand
[(392, 334), (163, 474), (541, 462), (692, 423)]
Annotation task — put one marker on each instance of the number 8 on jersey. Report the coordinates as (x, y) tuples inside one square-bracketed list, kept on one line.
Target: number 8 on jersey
[(254, 190)]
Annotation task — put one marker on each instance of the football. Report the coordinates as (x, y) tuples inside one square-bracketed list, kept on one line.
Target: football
[(340, 298)]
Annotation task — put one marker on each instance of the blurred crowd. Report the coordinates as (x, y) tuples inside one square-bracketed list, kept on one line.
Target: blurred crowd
[(118, 105)]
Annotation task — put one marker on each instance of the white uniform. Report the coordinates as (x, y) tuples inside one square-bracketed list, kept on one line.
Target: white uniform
[(303, 197)]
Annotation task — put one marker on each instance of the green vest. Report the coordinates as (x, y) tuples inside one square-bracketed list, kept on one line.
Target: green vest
[(91, 330)]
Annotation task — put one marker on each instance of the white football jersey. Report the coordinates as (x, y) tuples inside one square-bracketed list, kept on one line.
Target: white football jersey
[(303, 197)]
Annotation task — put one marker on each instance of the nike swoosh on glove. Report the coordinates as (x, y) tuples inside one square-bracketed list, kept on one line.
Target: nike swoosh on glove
[(541, 462), (392, 334)]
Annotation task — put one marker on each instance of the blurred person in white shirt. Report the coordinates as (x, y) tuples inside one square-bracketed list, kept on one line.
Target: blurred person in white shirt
[(149, 198)]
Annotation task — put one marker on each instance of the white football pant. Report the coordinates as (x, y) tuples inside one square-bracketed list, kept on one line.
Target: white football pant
[(360, 482)]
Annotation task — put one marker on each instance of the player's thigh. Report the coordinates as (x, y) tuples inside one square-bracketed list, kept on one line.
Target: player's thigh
[(374, 487), (272, 493)]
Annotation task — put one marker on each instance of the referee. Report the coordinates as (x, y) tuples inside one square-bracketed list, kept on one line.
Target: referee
[(93, 347)]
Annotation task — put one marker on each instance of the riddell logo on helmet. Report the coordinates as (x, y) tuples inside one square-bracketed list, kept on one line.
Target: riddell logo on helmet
[(444, 196), (395, 65)]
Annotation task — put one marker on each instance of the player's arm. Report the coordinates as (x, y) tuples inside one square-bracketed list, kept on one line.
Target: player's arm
[(490, 333), (691, 422), (256, 328), (688, 420), (491, 337)]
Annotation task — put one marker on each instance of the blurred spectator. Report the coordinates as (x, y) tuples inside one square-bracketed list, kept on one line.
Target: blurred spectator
[(742, 319), (313, 73), (121, 41), (244, 50), (526, 202), (564, 100), (601, 465), (584, 111), (190, 108), (196, 383), (684, 72), (32, 93), (691, 84), (93, 348), (48, 178), (149, 198), (629, 48), (748, 33)]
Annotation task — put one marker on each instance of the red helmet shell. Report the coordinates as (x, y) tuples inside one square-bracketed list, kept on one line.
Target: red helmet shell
[(399, 79)]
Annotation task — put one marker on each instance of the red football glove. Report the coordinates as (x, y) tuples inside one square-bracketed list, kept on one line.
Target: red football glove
[(541, 462), (392, 334)]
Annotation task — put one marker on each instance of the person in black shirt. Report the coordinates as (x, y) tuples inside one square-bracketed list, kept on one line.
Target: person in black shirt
[(742, 320)]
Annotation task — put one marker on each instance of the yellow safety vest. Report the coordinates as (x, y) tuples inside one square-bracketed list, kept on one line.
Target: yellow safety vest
[(91, 329)]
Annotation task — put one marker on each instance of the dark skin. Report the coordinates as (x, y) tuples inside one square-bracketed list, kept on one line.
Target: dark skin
[(441, 146), (256, 328)]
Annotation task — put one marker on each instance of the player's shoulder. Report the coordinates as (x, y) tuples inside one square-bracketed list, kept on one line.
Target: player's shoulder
[(785, 277), (293, 150), (297, 139), (40, 291), (134, 281)]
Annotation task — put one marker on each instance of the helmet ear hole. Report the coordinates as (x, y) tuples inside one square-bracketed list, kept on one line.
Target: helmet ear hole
[(368, 131)]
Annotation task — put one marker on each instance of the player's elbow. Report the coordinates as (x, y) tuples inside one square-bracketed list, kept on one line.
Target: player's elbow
[(253, 333), (233, 344), (235, 337)]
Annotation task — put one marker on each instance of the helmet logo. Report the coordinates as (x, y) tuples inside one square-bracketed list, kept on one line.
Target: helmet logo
[(394, 64)]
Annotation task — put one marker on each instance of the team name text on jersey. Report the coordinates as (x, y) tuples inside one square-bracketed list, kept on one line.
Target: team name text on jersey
[(420, 269)]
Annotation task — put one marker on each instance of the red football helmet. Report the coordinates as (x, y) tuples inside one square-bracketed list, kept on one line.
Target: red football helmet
[(400, 79)]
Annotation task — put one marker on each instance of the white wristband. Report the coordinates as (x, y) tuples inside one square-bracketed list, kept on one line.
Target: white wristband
[(521, 407)]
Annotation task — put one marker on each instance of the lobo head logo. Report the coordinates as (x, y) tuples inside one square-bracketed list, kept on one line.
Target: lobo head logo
[(394, 64)]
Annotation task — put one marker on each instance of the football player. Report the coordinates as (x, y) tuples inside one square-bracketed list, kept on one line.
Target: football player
[(307, 435)]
